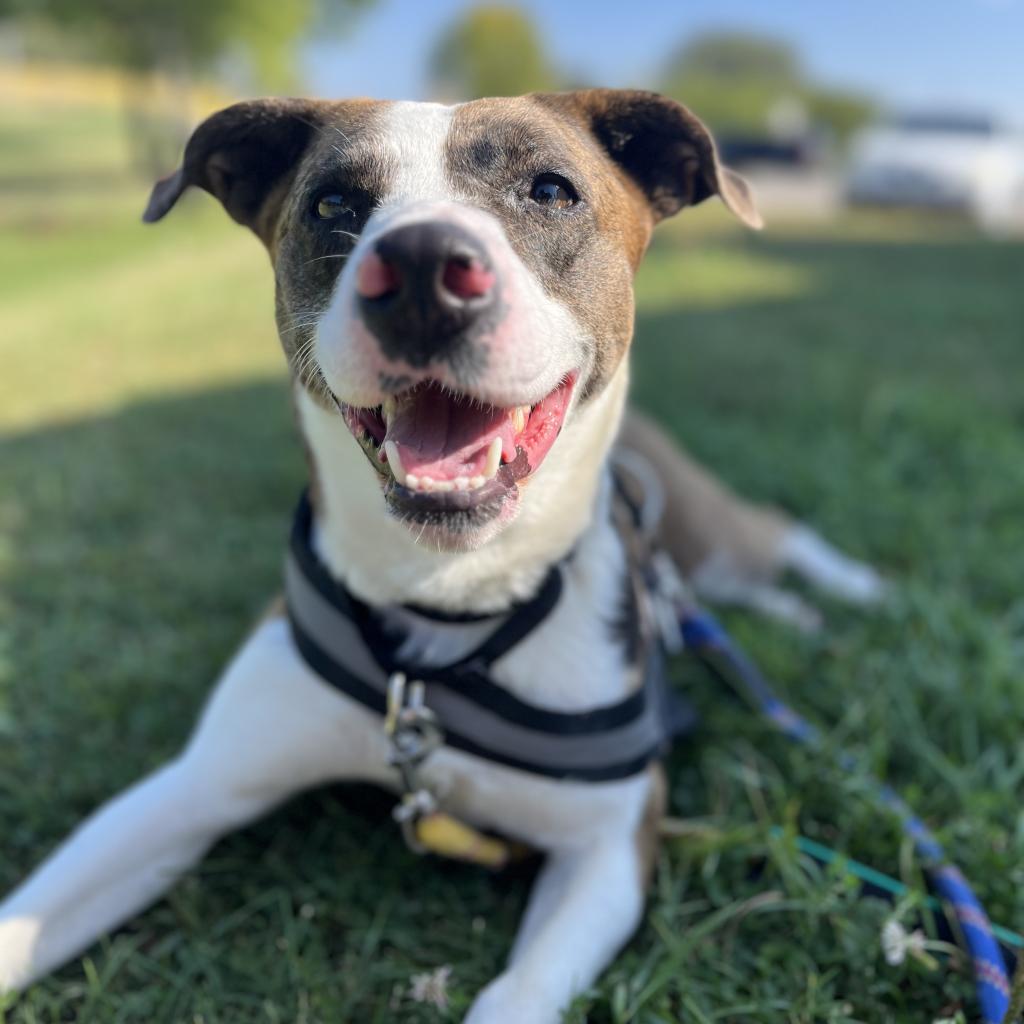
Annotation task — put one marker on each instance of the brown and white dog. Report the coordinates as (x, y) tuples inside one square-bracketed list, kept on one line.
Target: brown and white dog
[(454, 296)]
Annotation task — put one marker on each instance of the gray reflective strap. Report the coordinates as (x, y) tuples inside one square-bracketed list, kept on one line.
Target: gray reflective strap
[(334, 633)]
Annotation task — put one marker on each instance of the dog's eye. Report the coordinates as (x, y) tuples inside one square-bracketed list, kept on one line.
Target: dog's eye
[(329, 206), (554, 191)]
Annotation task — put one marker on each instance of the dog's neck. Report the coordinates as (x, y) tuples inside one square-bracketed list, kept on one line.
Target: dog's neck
[(380, 560)]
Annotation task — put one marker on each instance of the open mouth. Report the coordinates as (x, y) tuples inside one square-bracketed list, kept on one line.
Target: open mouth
[(438, 450)]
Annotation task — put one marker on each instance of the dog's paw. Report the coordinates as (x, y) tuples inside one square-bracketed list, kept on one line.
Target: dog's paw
[(811, 557), (18, 937), (512, 1000), (720, 581)]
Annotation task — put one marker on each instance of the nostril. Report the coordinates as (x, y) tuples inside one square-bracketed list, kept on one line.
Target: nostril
[(467, 278), (376, 277)]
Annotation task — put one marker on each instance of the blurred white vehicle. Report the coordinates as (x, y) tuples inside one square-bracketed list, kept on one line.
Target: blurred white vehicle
[(941, 161)]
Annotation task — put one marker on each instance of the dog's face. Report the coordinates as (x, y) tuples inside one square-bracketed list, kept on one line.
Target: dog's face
[(455, 283)]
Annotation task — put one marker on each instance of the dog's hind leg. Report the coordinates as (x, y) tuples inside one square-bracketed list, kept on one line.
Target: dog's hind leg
[(733, 551), (270, 729)]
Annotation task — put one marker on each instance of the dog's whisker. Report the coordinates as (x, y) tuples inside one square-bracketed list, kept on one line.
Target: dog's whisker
[(330, 256)]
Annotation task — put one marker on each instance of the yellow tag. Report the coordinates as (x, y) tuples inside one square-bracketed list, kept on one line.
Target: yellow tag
[(441, 834)]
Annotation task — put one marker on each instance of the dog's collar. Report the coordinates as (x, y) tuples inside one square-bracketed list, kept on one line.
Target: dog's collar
[(343, 640)]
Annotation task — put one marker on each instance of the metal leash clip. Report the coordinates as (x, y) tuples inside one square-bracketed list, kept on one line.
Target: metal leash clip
[(670, 595), (413, 733)]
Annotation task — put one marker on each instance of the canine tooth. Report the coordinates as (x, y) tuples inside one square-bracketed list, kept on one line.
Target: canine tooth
[(412, 481), (493, 459), (476, 482), (461, 483), (519, 416), (395, 462), (387, 409)]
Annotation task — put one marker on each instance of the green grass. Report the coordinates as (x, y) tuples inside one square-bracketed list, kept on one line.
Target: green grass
[(867, 376)]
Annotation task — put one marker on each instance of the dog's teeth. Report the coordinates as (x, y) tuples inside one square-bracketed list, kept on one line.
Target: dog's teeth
[(493, 459), (476, 482), (519, 417), (461, 483), (412, 481), (387, 409), (395, 462), (444, 486)]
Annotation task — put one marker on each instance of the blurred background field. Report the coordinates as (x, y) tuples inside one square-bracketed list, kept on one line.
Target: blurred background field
[(859, 365)]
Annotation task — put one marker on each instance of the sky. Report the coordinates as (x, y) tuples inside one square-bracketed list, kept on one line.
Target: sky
[(966, 55)]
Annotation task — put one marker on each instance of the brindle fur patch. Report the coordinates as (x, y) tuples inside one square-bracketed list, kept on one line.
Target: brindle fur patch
[(348, 157), (648, 834), (585, 255)]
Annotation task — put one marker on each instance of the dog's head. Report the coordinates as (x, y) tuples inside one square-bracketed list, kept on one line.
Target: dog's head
[(455, 283)]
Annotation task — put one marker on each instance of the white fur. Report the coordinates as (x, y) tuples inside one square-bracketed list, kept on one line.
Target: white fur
[(811, 556), (415, 135)]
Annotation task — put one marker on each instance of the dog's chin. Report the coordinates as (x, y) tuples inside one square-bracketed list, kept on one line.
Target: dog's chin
[(457, 520)]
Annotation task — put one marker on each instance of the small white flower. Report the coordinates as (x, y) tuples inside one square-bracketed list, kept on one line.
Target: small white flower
[(898, 944), (431, 987), (894, 943)]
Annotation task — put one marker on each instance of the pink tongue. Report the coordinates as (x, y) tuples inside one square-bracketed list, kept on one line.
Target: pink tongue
[(444, 436)]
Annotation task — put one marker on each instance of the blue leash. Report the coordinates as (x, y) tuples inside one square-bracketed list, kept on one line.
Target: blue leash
[(705, 638)]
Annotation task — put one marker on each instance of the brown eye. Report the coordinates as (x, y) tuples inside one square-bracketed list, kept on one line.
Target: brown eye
[(329, 206), (552, 191)]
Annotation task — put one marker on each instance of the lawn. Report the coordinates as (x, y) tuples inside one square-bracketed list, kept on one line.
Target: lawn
[(867, 376)]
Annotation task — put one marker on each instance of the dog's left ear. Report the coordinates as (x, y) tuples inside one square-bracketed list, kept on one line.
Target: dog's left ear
[(241, 155), (667, 150)]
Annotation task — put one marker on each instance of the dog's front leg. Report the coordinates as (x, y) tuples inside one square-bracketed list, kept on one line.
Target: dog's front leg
[(271, 728), (585, 905)]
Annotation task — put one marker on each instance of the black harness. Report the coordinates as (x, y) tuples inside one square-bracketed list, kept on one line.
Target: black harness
[(347, 643)]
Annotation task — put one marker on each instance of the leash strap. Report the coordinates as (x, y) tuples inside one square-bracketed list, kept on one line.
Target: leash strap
[(706, 638)]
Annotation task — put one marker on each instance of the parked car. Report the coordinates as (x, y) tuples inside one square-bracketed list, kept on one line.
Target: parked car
[(941, 161)]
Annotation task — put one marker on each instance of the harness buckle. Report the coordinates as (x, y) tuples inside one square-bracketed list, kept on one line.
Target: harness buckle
[(410, 725)]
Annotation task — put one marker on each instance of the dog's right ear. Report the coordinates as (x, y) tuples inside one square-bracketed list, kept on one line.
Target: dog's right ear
[(241, 155)]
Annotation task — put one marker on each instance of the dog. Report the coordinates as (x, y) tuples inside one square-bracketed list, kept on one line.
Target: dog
[(454, 297)]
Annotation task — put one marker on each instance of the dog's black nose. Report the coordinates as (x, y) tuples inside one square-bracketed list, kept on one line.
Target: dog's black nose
[(424, 289)]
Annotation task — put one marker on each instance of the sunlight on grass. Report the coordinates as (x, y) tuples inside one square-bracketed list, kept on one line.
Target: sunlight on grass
[(713, 277), (193, 313)]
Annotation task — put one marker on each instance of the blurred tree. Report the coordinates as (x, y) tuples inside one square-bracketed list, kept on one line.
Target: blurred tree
[(491, 51), (187, 35), (177, 40), (742, 83)]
